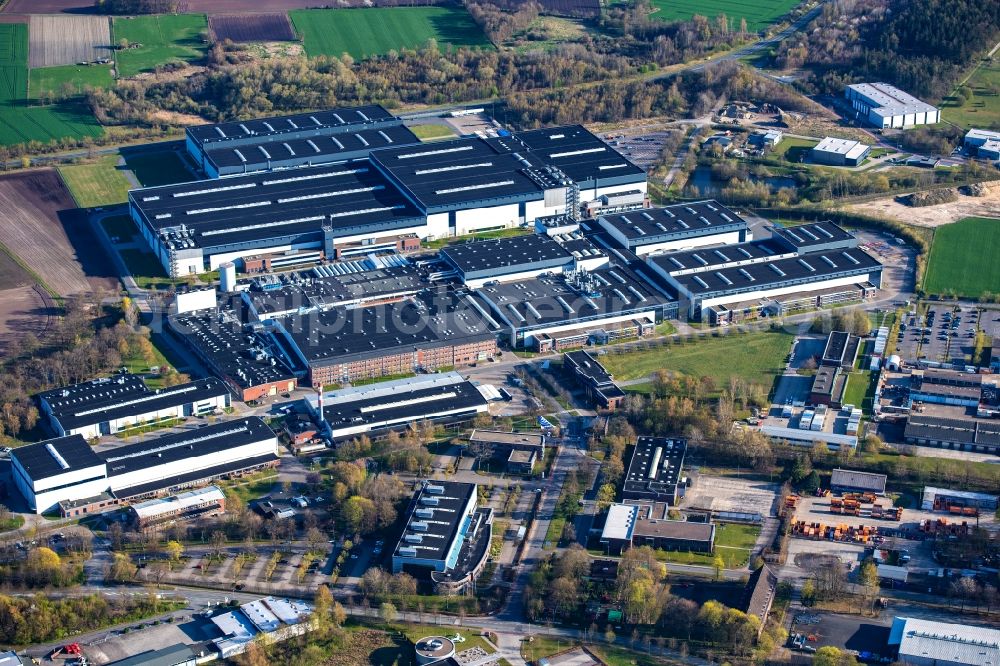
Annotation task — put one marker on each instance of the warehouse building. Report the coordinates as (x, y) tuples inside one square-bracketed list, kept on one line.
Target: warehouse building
[(949, 387), (731, 284), (438, 328), (208, 501), (839, 152), (963, 434), (758, 595), (850, 480), (883, 105), (810, 438), (196, 227), (263, 144), (507, 259), (67, 471), (841, 350), (654, 471), (60, 469), (596, 381), (943, 499), (234, 353), (557, 312), (373, 409), (519, 450), (629, 525), (919, 642), (115, 404), (446, 538), (983, 143), (675, 227)]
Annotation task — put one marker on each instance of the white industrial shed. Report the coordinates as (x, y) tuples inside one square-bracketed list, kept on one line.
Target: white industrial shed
[(927, 643), (883, 105)]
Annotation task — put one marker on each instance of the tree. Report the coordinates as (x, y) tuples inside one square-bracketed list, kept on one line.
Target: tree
[(157, 570), (122, 570), (868, 577), (808, 592), (388, 613), (174, 550), (322, 609), (218, 544), (831, 656), (719, 565)]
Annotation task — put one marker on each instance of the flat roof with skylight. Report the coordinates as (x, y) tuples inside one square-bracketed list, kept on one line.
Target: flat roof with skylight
[(687, 220)]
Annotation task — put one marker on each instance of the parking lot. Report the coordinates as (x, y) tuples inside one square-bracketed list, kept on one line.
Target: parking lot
[(644, 150), (946, 334)]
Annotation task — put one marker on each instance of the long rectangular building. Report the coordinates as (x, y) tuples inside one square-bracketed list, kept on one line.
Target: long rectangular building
[(115, 404), (654, 471), (395, 405), (883, 105), (675, 227), (196, 227), (68, 470), (507, 259), (333, 135)]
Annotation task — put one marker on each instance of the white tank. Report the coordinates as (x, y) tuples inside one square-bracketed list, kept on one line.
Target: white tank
[(227, 277), (895, 362)]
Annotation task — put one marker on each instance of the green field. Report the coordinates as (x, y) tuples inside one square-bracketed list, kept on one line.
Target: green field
[(757, 357), (96, 184), (19, 121), (758, 13), (55, 79), (374, 31), (982, 109), (793, 149), (432, 132), (163, 167), (963, 258), (164, 39), (733, 543), (857, 391)]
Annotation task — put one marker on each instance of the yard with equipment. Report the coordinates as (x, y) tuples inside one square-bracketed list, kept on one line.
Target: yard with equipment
[(163, 39), (758, 13), (375, 31), (20, 122), (963, 258), (756, 357)]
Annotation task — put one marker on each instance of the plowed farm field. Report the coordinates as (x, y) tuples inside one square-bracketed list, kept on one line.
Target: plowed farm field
[(43, 228), (68, 40), (252, 28)]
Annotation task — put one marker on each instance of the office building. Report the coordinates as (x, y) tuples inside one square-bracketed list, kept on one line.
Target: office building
[(839, 152), (596, 381), (629, 525), (654, 471)]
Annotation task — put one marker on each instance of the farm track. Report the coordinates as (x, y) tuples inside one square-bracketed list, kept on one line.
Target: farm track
[(67, 40)]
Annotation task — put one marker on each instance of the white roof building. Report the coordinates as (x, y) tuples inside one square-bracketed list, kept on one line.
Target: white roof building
[(839, 151), (620, 523), (927, 643), (155, 508), (884, 105)]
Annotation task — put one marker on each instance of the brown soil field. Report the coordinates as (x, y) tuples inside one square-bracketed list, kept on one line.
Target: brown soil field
[(24, 306), (934, 216), (68, 40), (252, 28), (45, 230), (48, 7)]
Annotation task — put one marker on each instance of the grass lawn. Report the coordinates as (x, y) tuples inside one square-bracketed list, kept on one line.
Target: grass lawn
[(251, 487), (963, 258), (982, 109), (757, 357), (374, 31), (160, 167), (79, 77), (97, 183), (860, 391), (432, 132), (733, 542), (164, 39), (545, 646), (793, 149), (12, 523), (119, 226), (485, 235), (19, 120), (758, 13), (555, 530), (616, 656), (415, 632)]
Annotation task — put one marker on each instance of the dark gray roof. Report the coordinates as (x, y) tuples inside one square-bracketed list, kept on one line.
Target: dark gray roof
[(316, 147), (701, 258), (581, 155), (195, 477), (446, 500), (56, 456), (967, 431), (651, 476), (687, 220), (506, 255), (445, 174), (420, 403), (587, 366), (76, 412), (94, 391), (342, 118), (290, 203), (858, 480), (803, 269), (212, 438), (806, 237), (433, 318)]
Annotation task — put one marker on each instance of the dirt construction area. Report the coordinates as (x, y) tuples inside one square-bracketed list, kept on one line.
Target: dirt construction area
[(68, 40), (44, 229), (935, 216), (726, 494)]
